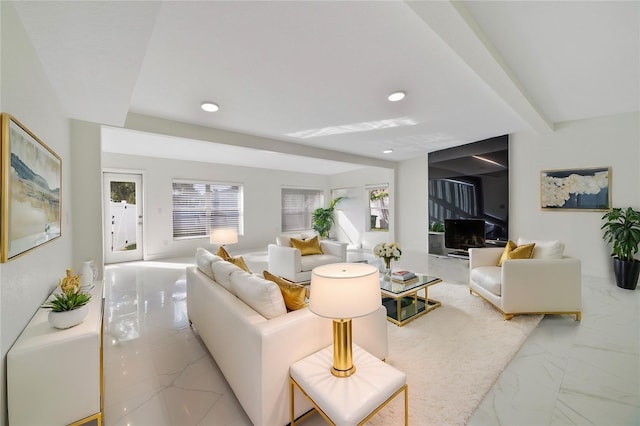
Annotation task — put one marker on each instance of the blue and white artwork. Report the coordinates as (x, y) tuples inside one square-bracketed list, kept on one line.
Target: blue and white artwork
[(34, 192)]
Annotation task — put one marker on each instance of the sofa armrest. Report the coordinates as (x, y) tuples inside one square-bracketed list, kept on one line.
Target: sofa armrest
[(541, 285), (334, 248), (284, 261), (486, 256)]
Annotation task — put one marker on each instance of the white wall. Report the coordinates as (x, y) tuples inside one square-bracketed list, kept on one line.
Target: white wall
[(26, 281), (606, 141), (412, 218), (262, 196)]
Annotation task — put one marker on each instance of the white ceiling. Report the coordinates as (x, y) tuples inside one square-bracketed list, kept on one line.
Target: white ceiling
[(317, 73)]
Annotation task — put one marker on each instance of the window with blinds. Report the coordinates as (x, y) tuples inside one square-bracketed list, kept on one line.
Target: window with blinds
[(200, 206), (298, 206)]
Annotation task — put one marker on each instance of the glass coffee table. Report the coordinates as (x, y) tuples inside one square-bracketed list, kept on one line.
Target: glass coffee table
[(403, 302)]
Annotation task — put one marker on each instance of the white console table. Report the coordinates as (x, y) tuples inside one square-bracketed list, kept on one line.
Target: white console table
[(54, 377)]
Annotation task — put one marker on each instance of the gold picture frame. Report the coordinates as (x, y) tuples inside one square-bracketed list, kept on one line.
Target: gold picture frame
[(31, 190), (586, 189)]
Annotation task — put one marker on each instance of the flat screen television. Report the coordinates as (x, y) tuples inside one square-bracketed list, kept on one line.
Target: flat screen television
[(463, 234)]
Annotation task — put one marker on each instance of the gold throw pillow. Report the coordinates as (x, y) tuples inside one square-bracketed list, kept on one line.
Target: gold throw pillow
[(307, 247), (238, 260), (240, 263), (293, 294), (521, 252), (507, 249), (513, 251), (223, 253)]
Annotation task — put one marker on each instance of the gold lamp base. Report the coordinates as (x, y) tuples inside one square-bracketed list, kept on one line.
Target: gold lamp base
[(342, 353)]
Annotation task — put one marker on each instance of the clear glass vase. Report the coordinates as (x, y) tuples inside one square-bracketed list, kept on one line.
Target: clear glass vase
[(387, 269)]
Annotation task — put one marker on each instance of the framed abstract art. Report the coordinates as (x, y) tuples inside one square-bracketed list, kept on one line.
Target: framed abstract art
[(31, 180), (576, 189)]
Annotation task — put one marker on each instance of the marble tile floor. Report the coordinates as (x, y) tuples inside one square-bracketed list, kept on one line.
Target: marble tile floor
[(158, 372)]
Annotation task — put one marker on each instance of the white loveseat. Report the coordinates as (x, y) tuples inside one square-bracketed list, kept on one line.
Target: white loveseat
[(547, 283), (253, 352), (287, 262)]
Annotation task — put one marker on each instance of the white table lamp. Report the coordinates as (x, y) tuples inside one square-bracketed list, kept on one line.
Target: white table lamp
[(343, 291), (223, 236)]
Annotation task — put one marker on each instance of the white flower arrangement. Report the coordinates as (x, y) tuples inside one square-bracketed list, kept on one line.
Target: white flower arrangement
[(556, 191), (388, 251)]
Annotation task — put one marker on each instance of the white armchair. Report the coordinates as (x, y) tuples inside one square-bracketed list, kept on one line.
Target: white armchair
[(540, 285), (287, 262)]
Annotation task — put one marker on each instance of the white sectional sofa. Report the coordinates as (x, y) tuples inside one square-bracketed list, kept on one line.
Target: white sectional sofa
[(242, 320)]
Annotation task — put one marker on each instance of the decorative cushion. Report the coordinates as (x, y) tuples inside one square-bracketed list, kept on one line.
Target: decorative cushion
[(285, 239), (307, 247), (489, 278), (293, 294), (223, 253), (521, 252), (545, 249), (238, 260), (263, 296), (222, 273), (510, 246), (204, 258), (513, 251)]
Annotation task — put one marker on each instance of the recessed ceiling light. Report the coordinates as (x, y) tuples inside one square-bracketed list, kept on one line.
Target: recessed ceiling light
[(209, 106), (387, 151), (396, 96)]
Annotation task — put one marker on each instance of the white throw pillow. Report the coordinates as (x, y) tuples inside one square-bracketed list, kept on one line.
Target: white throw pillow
[(261, 295), (222, 274), (204, 258), (285, 239), (545, 249)]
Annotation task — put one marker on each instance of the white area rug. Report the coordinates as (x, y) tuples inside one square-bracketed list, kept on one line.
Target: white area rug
[(452, 356)]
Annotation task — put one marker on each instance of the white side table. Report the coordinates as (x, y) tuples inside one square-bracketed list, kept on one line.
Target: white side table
[(349, 400)]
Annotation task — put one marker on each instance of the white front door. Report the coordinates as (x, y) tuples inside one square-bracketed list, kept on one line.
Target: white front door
[(122, 217)]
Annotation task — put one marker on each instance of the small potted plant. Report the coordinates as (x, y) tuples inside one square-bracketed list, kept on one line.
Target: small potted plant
[(622, 231), (69, 306)]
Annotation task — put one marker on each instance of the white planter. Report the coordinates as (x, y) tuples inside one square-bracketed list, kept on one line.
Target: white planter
[(68, 319)]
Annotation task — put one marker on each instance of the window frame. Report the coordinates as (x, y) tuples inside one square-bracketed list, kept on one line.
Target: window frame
[(305, 210), (207, 210)]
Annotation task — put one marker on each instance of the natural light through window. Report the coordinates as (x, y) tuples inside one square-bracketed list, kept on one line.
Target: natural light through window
[(353, 128)]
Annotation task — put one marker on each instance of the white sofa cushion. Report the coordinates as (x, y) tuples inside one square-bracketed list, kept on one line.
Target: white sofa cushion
[(222, 271), (311, 261), (489, 278), (204, 259), (262, 295), (545, 249)]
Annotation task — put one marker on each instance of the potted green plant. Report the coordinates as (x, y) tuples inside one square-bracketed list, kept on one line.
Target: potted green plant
[(68, 308), (622, 231), (323, 218)]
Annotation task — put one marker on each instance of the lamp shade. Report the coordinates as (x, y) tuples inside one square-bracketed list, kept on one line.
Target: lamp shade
[(223, 236), (344, 290)]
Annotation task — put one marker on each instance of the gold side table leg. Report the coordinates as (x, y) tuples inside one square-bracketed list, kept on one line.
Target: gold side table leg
[(406, 406)]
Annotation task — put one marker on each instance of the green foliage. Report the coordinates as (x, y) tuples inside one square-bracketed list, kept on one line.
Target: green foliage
[(378, 194), (67, 301), (622, 231), (123, 191), (436, 227), (323, 218)]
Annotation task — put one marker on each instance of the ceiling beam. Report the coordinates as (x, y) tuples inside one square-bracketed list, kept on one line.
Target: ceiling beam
[(453, 23)]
